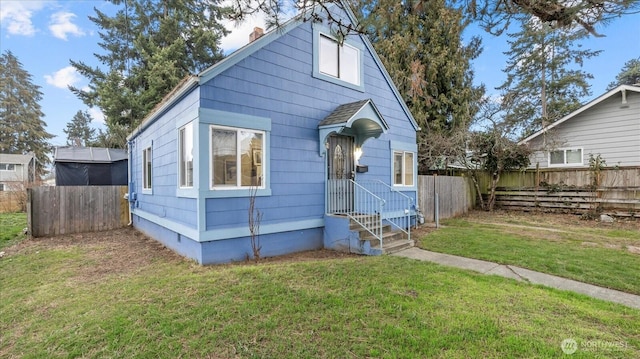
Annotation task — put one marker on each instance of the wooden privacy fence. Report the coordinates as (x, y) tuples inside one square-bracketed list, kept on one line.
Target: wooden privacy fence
[(455, 196), (569, 190), (60, 210)]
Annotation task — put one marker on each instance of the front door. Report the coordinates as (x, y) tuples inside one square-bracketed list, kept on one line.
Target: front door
[(340, 172)]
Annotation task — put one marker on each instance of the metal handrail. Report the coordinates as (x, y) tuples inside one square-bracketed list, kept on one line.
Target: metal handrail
[(398, 209), (358, 203)]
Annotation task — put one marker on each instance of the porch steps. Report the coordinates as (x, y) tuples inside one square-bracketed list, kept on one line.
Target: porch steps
[(392, 241)]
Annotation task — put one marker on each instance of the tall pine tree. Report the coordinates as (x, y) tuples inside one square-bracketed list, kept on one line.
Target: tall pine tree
[(79, 131), (628, 75), (150, 45), (22, 129), (544, 77), (420, 44)]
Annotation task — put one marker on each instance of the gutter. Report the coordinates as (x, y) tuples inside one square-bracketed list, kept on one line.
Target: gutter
[(186, 85)]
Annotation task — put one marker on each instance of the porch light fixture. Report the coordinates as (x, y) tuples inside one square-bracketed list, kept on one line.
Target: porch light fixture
[(357, 153)]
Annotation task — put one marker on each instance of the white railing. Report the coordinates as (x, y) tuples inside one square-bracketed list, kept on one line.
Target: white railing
[(370, 204), (397, 208), (349, 198)]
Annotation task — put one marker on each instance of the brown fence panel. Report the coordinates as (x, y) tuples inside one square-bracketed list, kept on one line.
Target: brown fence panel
[(60, 210), (455, 196)]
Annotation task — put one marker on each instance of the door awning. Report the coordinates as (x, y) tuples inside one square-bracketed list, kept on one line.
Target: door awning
[(361, 119)]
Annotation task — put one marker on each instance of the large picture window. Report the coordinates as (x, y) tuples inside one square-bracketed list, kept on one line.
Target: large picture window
[(146, 168), (237, 158), (566, 157), (339, 61), (403, 168), (185, 153)]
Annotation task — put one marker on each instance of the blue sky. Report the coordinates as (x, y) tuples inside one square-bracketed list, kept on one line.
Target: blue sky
[(45, 35)]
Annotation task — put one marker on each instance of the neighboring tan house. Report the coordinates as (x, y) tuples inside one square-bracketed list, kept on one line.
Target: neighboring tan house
[(16, 171), (90, 166), (286, 118), (608, 126)]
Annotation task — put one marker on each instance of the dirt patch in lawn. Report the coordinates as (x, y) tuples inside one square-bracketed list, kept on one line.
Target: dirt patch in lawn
[(124, 251), (550, 221)]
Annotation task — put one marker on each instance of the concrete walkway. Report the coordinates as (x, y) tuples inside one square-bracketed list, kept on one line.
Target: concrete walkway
[(522, 274)]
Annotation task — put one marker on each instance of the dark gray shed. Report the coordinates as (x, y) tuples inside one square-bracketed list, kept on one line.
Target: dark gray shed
[(90, 166)]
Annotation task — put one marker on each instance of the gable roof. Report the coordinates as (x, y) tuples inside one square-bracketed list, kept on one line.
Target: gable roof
[(588, 105), (15, 159), (89, 154), (247, 50)]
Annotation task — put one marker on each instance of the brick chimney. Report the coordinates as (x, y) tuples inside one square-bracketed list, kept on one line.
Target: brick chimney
[(255, 35)]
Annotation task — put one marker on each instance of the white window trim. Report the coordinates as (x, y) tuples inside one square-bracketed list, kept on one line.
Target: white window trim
[(238, 159), (5, 167), (565, 164), (403, 169), (180, 155), (144, 161)]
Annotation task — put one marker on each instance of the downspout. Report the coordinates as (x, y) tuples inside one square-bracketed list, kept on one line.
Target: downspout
[(130, 196)]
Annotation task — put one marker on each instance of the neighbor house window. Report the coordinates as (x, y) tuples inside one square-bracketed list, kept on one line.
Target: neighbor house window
[(339, 61), (146, 168), (237, 157), (7, 167), (185, 153), (565, 157), (403, 168), (2, 187)]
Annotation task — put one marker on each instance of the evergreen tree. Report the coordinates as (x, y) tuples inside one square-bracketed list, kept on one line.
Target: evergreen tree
[(79, 131), (150, 46), (544, 80), (629, 75), (494, 15), (22, 129), (420, 44)]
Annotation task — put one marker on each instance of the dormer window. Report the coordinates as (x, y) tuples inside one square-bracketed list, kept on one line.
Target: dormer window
[(339, 61)]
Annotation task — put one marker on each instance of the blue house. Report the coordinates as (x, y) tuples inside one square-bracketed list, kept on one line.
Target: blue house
[(314, 130)]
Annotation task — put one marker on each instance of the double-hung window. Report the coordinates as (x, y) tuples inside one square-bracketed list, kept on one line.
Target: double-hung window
[(237, 158), (146, 168), (185, 156), (341, 61), (403, 168), (565, 157), (7, 167)]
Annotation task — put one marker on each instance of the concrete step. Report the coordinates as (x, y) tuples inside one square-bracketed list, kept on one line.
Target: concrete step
[(396, 246)]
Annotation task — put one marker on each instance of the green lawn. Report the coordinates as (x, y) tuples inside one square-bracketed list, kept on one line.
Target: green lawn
[(579, 250), (69, 300), (12, 226)]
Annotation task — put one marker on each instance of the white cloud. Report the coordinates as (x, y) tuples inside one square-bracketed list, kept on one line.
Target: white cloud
[(239, 35), (63, 77), (96, 115), (16, 16), (61, 25)]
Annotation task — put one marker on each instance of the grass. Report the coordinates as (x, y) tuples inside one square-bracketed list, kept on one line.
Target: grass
[(594, 255), (56, 303), (12, 226)]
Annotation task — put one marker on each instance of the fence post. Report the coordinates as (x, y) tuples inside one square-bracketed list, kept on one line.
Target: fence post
[(29, 211)]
